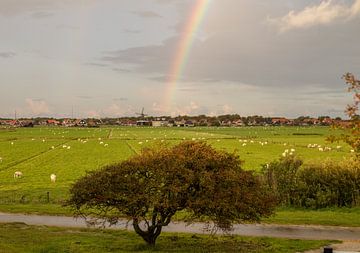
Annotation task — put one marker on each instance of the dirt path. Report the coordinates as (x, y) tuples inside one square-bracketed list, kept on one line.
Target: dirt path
[(271, 230)]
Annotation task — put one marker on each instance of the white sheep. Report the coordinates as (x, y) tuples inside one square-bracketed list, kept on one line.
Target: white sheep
[(18, 174), (53, 178)]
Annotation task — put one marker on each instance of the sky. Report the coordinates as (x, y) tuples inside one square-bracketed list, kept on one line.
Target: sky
[(111, 58)]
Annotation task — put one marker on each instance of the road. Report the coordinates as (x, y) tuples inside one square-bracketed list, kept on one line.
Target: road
[(271, 230)]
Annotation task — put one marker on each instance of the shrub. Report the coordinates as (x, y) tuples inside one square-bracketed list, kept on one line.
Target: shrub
[(329, 184), (316, 185)]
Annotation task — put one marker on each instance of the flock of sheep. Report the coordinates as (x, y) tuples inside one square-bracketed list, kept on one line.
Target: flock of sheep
[(19, 174)]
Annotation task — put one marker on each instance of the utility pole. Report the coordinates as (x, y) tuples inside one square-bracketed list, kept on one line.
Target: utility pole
[(72, 112), (15, 115)]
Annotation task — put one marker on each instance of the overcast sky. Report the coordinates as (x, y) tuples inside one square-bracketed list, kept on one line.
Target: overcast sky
[(110, 58)]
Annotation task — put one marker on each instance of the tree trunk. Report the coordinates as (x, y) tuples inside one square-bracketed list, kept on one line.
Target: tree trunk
[(150, 235)]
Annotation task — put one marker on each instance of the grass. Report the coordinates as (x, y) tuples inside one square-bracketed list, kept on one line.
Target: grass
[(18, 237), (347, 217), (40, 151)]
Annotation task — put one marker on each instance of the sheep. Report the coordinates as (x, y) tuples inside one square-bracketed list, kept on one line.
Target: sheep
[(18, 174), (53, 178)]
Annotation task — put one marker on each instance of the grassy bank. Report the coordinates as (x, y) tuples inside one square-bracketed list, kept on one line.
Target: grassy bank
[(18, 237), (347, 217)]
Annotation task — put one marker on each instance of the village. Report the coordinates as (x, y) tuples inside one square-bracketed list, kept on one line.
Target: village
[(234, 120)]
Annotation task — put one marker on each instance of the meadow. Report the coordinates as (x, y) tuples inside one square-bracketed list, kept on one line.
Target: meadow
[(18, 237), (70, 152)]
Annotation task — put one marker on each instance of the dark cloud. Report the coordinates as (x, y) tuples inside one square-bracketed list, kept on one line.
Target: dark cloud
[(16, 7), (7, 54), (96, 64), (245, 49), (121, 70), (147, 14)]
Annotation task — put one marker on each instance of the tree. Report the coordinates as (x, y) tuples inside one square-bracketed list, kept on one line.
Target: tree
[(151, 187), (352, 130)]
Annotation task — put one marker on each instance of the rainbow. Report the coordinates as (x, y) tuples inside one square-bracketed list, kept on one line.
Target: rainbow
[(183, 49)]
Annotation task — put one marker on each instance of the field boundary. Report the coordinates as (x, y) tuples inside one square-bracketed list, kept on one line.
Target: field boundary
[(131, 148), (109, 136)]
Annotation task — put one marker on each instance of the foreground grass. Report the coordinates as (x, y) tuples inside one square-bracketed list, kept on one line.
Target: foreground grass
[(18, 237), (346, 217)]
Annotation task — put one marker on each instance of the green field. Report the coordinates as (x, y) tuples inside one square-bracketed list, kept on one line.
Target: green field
[(70, 152), (18, 237)]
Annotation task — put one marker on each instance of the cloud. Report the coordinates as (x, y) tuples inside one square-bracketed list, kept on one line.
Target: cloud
[(16, 7), (325, 13), (121, 70), (120, 99), (37, 106), (85, 97), (41, 14), (147, 14), (67, 27), (112, 110), (96, 64), (250, 52), (7, 54), (192, 108), (130, 31)]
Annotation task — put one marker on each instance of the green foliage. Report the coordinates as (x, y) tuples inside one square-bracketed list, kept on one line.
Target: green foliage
[(315, 185), (151, 187), (352, 129), (281, 176), (330, 184)]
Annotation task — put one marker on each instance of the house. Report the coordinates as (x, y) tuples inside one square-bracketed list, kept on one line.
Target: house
[(143, 123), (237, 123), (160, 122), (52, 122), (280, 121), (189, 123)]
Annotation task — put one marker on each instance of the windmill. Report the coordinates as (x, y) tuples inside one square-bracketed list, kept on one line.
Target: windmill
[(142, 114)]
